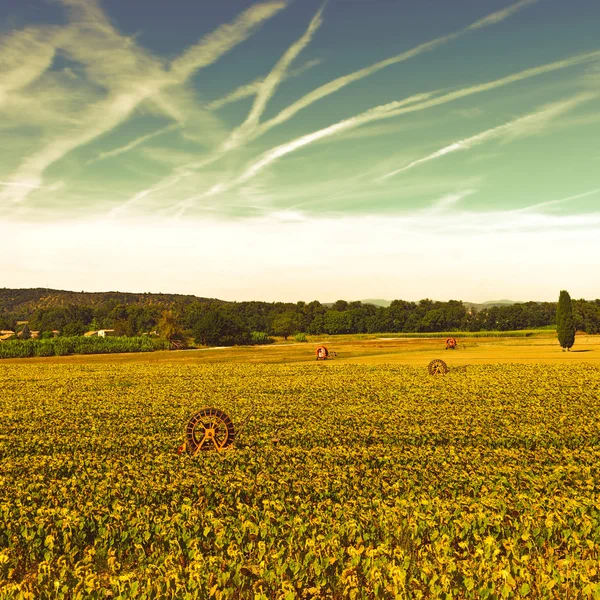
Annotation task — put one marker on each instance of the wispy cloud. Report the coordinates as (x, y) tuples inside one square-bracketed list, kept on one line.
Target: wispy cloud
[(111, 79), (274, 154), (21, 184), (500, 15), (251, 89), (386, 111), (341, 82), (516, 128), (252, 129), (536, 208), (38, 44), (134, 143), (271, 82), (129, 74), (448, 201)]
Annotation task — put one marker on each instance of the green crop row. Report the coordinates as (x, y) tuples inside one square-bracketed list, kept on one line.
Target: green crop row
[(62, 346)]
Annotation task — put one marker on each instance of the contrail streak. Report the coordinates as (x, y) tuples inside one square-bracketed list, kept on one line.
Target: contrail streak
[(235, 141), (271, 82), (133, 144), (268, 157), (144, 77), (556, 202), (238, 138), (340, 82), (251, 89), (500, 15), (549, 112), (394, 109)]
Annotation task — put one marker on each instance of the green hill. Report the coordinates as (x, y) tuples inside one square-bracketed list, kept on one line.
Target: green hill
[(26, 301)]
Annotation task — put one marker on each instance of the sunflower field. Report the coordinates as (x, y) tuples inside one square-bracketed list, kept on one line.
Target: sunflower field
[(344, 481)]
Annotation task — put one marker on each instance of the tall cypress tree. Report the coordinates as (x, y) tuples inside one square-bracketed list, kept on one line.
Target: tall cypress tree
[(565, 324)]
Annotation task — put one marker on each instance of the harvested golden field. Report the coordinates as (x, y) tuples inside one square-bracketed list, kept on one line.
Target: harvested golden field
[(538, 347), (345, 481)]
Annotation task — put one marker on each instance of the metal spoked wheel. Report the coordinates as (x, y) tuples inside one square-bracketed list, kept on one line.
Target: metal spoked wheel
[(209, 429), (437, 367)]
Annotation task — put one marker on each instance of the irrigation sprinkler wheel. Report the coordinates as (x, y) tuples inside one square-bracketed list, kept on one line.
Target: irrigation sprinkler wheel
[(437, 367), (322, 353), (209, 429), (451, 344)]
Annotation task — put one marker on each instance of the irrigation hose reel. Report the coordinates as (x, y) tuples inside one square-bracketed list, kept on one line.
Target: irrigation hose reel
[(208, 429), (211, 429), (323, 353), (451, 343), (437, 367)]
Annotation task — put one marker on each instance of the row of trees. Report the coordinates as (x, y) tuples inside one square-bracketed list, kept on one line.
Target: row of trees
[(217, 322)]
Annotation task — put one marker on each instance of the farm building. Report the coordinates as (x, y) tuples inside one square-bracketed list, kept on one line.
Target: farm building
[(33, 334), (100, 333)]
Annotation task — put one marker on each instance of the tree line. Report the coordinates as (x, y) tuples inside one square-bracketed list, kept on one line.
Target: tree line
[(224, 323)]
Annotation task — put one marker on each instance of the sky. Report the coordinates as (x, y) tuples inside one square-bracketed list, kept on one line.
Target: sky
[(287, 150)]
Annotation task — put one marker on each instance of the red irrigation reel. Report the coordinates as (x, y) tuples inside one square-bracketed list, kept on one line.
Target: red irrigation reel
[(323, 353), (451, 343)]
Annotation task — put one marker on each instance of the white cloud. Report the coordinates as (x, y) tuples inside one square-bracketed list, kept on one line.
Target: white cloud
[(473, 256)]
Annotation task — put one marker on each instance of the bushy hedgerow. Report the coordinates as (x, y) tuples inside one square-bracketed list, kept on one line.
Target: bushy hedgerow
[(62, 346)]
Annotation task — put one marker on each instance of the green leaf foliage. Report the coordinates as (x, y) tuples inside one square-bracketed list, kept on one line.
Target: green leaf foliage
[(345, 481), (62, 346), (218, 328)]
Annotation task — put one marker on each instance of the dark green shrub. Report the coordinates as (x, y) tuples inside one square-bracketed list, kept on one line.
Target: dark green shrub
[(565, 324)]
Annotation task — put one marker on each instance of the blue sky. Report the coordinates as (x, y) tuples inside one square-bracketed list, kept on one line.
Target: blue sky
[(299, 150)]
